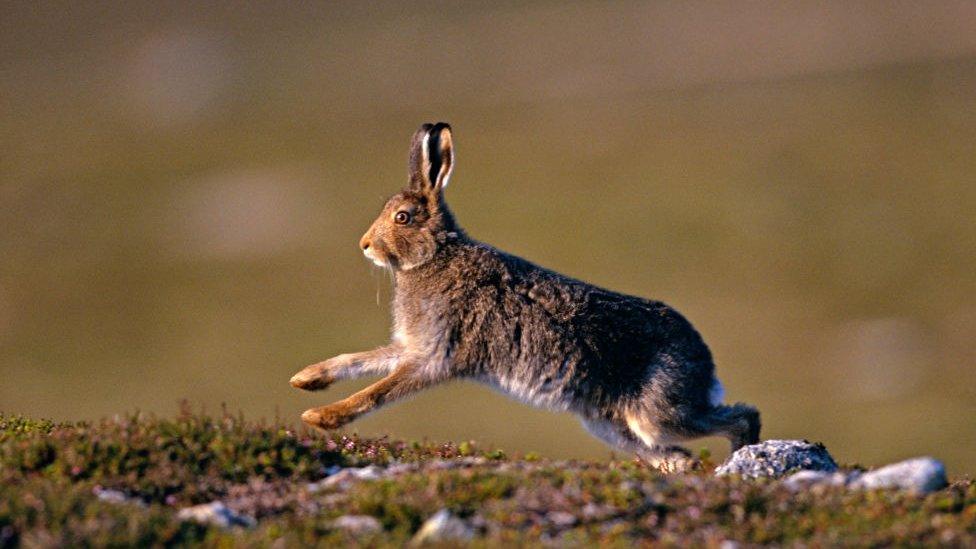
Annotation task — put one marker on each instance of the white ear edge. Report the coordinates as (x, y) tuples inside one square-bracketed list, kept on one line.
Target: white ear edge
[(425, 148), (446, 178)]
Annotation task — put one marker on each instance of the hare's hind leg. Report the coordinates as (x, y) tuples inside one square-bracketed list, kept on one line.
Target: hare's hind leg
[(738, 422), (614, 434), (669, 459), (659, 446), (319, 376)]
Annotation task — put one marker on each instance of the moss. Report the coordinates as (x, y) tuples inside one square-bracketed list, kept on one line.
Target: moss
[(50, 475)]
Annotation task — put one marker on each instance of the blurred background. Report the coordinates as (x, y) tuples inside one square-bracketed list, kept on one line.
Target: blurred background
[(182, 190)]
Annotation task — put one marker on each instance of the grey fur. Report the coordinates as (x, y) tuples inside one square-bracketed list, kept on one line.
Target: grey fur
[(634, 370)]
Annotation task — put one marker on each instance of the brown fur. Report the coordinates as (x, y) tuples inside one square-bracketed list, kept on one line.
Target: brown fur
[(636, 372)]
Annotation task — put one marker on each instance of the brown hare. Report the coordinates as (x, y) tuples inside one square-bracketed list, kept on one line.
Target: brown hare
[(635, 371)]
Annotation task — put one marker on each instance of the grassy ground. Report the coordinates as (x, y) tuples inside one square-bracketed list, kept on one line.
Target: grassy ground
[(51, 475)]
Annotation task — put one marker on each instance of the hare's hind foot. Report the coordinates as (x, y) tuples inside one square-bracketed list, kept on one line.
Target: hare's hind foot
[(669, 460), (618, 434), (738, 422)]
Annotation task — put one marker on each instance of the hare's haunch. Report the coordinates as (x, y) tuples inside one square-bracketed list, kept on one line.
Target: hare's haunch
[(636, 372)]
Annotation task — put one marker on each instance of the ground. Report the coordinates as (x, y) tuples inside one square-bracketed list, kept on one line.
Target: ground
[(123, 481)]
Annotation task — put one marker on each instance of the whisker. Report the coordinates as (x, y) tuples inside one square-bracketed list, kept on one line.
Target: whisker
[(375, 278)]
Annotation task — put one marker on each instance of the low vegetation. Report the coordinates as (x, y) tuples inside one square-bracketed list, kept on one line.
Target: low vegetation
[(123, 481)]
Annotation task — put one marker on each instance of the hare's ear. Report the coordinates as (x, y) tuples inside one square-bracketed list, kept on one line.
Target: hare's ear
[(431, 158)]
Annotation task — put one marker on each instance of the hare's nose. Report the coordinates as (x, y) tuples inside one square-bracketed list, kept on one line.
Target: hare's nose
[(364, 243)]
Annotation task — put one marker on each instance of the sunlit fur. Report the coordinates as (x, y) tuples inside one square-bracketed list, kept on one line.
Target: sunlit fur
[(634, 370), (406, 246)]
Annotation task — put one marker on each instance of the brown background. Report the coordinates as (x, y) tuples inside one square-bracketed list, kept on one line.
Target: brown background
[(183, 188)]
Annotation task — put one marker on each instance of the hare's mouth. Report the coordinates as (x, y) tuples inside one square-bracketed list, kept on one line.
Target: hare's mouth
[(379, 258)]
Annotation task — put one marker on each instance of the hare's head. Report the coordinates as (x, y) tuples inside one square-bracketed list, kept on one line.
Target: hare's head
[(416, 222)]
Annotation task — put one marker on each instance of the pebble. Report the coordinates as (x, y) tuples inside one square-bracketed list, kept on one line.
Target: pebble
[(776, 458), (921, 475), (111, 496), (357, 524), (806, 479), (215, 513), (561, 519), (443, 526), (345, 477)]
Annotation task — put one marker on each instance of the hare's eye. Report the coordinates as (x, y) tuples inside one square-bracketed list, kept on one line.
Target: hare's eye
[(402, 218)]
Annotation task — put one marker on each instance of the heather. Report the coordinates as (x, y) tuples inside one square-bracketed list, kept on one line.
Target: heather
[(124, 480)]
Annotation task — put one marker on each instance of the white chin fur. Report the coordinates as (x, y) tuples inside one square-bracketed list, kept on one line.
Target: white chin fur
[(369, 255), (716, 394)]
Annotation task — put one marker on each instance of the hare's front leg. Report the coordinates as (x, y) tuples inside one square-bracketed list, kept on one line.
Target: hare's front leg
[(347, 366), (406, 379)]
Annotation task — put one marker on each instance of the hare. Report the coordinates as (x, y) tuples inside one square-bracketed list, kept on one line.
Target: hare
[(635, 371)]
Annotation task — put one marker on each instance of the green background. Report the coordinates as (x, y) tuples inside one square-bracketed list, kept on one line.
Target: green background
[(183, 188)]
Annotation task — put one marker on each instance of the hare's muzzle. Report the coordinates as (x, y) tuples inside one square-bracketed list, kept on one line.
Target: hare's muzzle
[(370, 251)]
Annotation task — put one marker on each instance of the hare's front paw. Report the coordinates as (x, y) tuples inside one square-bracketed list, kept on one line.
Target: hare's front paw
[(313, 378), (326, 417)]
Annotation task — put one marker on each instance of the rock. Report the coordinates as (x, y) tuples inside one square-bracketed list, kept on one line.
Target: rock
[(443, 526), (805, 479), (592, 512), (921, 475), (561, 519), (357, 524), (116, 496), (401, 469), (215, 513), (344, 478), (775, 458)]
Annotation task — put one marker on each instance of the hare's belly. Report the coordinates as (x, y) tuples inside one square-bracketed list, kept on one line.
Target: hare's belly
[(539, 391)]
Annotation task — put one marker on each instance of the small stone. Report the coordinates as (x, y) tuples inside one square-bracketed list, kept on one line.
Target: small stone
[(442, 464), (109, 495), (561, 519), (401, 469), (357, 524), (332, 469), (443, 526), (592, 512), (806, 478), (775, 458), (215, 513), (921, 475), (344, 478)]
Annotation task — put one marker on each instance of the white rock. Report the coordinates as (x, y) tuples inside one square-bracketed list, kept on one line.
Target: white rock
[(343, 478), (775, 458), (109, 495), (370, 472), (357, 524), (443, 526), (561, 519), (401, 469), (922, 475), (215, 513), (806, 479)]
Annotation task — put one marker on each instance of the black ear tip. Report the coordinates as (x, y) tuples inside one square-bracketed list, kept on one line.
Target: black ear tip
[(440, 126)]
